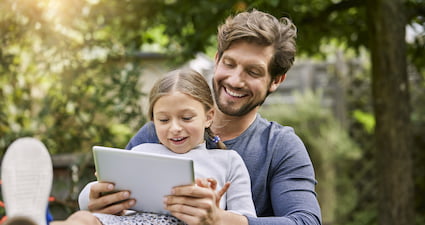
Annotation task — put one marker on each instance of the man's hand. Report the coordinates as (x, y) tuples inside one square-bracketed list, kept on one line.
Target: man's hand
[(212, 183), (104, 199)]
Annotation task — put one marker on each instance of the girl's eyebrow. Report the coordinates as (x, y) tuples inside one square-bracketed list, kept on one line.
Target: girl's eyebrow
[(187, 110), (160, 112)]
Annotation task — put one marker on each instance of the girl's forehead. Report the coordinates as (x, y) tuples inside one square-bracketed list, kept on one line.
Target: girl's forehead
[(177, 94), (176, 99)]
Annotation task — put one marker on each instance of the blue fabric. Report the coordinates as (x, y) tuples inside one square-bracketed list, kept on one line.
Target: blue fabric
[(282, 175), (49, 216)]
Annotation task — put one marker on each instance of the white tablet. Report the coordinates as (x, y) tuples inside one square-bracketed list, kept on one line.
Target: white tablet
[(149, 177)]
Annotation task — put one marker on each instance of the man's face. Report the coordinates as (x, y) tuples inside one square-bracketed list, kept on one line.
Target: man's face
[(242, 81)]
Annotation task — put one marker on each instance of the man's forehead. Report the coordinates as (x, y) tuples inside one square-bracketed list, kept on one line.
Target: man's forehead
[(248, 53)]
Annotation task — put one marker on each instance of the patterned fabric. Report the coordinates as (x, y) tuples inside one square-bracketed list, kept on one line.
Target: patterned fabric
[(139, 218)]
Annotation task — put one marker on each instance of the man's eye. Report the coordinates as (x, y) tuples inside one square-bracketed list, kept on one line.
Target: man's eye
[(254, 73), (228, 64)]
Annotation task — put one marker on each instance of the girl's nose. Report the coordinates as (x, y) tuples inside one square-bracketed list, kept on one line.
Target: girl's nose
[(175, 126)]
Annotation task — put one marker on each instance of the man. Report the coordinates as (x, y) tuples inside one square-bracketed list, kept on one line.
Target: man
[(255, 50)]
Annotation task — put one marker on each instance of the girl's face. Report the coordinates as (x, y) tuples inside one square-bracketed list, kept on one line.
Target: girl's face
[(180, 121)]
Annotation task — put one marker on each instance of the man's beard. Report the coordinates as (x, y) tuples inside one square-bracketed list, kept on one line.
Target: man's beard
[(243, 110)]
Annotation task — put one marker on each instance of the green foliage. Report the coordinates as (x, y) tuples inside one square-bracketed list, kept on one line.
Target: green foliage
[(364, 217), (71, 115), (192, 27), (331, 149), (61, 81), (66, 78), (366, 119)]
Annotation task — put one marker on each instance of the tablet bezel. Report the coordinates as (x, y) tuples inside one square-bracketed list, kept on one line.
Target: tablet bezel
[(148, 176)]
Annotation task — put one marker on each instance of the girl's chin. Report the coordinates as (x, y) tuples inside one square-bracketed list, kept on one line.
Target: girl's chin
[(179, 150)]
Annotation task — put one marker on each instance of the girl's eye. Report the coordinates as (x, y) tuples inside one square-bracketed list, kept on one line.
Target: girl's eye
[(187, 118), (163, 120)]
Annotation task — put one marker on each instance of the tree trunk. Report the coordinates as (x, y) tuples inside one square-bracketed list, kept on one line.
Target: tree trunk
[(390, 91)]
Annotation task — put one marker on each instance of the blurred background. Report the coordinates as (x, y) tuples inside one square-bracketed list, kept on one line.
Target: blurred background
[(76, 73)]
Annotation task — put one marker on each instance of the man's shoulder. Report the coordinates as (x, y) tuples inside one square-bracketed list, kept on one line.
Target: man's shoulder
[(284, 143), (277, 136), (146, 134), (272, 127)]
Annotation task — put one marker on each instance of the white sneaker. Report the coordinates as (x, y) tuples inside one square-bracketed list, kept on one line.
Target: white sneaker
[(26, 174)]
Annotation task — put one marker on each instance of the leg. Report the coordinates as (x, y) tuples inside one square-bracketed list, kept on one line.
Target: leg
[(19, 221), (79, 218), (27, 176)]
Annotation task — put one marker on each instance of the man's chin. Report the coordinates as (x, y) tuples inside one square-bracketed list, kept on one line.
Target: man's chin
[(238, 111), (232, 111), (226, 110)]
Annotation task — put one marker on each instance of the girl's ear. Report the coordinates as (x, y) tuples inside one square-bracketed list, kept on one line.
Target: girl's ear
[(209, 115), (276, 82)]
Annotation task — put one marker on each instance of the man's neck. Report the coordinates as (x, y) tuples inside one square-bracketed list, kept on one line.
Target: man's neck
[(229, 127)]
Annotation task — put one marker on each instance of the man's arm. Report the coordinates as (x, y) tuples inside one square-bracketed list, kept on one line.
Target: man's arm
[(146, 134), (292, 184)]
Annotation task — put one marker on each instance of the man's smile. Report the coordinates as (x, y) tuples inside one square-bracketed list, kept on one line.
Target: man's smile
[(233, 93)]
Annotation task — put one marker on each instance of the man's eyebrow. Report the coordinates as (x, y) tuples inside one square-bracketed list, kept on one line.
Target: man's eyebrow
[(258, 66), (227, 57)]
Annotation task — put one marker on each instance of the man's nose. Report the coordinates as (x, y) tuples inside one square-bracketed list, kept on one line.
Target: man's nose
[(236, 78)]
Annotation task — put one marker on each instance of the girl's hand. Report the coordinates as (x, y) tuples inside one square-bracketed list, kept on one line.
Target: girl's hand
[(104, 199)]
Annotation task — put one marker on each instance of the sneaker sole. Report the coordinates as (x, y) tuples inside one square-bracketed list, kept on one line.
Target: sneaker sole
[(26, 174)]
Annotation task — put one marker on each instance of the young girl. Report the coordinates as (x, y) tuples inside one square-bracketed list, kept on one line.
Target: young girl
[(181, 108)]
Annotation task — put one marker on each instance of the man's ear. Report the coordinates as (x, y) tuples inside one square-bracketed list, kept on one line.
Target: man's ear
[(216, 58), (276, 82)]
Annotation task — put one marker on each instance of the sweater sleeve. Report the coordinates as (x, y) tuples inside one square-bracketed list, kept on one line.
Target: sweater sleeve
[(239, 197), (83, 197), (291, 184)]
